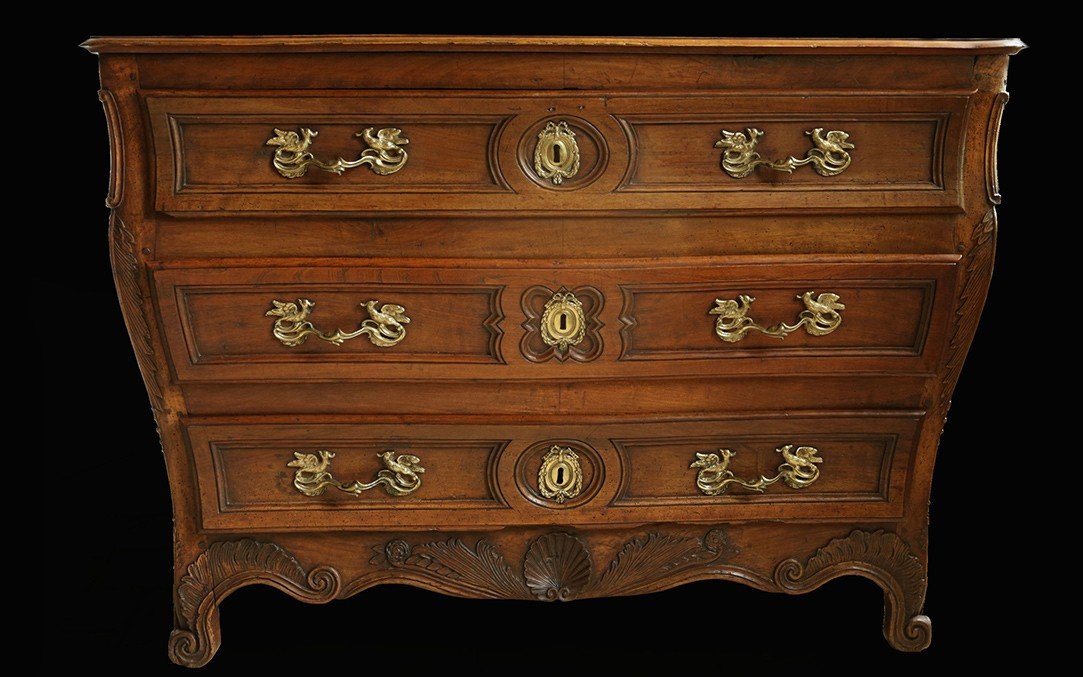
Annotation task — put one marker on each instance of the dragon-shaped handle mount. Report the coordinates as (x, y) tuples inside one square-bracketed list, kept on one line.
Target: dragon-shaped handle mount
[(830, 155), (383, 156), (821, 316), (399, 476), (798, 470), (383, 326)]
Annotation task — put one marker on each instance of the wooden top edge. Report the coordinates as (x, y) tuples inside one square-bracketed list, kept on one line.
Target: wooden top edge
[(479, 43)]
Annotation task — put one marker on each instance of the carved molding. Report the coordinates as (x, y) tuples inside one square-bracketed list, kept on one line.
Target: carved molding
[(646, 560), (480, 571), (882, 557), (992, 139), (126, 273), (225, 567), (557, 565), (534, 347), (977, 269), (116, 149)]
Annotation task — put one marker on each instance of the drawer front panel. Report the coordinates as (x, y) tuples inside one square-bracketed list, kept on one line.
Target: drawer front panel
[(771, 467), (734, 317), (859, 468), (402, 153), (881, 317)]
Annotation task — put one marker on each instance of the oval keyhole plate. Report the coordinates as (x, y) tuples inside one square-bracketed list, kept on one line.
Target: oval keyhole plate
[(563, 323), (560, 477), (556, 157)]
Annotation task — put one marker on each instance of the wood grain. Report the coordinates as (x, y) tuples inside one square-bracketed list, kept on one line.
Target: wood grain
[(204, 234)]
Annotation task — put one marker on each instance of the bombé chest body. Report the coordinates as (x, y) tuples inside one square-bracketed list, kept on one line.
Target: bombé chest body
[(549, 318)]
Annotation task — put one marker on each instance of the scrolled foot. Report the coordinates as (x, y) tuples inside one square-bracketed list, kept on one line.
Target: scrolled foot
[(882, 557), (913, 633), (225, 567), (192, 649)]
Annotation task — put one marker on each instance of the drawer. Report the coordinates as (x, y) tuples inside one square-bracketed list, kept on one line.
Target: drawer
[(319, 323), (298, 475), (393, 152)]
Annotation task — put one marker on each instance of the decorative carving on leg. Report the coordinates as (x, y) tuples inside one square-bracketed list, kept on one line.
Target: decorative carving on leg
[(882, 557), (225, 567), (126, 274), (557, 566), (977, 271)]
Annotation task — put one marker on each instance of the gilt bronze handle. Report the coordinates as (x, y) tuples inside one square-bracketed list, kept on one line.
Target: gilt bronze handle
[(399, 477), (383, 327), (383, 156), (798, 469), (829, 157), (821, 316)]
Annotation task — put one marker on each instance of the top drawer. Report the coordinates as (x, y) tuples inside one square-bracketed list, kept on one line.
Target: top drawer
[(554, 152)]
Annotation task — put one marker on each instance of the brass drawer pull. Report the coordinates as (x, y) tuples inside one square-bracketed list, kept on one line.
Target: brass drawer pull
[(798, 470), (384, 154), (384, 326), (829, 157), (400, 477), (821, 316)]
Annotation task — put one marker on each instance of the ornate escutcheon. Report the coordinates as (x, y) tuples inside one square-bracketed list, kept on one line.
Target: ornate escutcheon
[(560, 478), (829, 156), (383, 156), (820, 317), (798, 470), (383, 328), (556, 155), (400, 475), (563, 323)]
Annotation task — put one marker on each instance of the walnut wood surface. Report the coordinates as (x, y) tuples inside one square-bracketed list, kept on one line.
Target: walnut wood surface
[(205, 234), (477, 153), (472, 322)]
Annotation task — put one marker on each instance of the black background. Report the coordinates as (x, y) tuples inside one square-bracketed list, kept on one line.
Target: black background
[(108, 540)]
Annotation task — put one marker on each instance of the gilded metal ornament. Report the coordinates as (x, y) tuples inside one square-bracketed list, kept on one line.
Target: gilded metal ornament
[(383, 328), (829, 157), (399, 478), (560, 477), (821, 316), (563, 323), (383, 156), (797, 471), (556, 155)]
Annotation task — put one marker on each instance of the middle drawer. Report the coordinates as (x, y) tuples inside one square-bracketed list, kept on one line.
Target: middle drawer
[(365, 322)]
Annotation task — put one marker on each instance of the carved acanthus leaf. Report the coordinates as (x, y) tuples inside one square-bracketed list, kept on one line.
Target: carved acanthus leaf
[(224, 567), (225, 560), (882, 557), (478, 571), (557, 565), (648, 558)]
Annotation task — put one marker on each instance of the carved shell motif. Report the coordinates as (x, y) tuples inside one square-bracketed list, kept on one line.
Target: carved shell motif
[(557, 567)]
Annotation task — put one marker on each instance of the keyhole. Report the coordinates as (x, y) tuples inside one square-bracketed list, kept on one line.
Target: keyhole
[(560, 476), (564, 321), (556, 154)]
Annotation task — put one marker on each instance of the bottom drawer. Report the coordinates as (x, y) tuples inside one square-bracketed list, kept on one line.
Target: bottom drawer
[(314, 476)]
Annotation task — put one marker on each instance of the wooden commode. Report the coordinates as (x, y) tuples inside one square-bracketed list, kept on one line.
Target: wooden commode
[(550, 318)]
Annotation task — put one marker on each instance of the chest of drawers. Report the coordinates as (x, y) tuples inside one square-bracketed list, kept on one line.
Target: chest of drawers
[(549, 318)]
